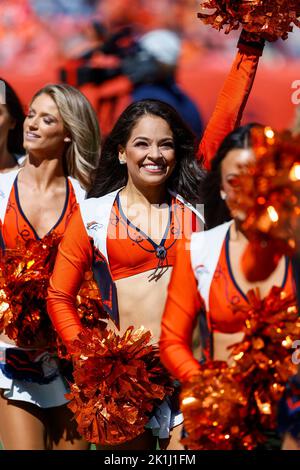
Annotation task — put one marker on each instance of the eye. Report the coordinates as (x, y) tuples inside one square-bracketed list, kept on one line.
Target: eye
[(48, 120), (167, 145), (141, 143), (233, 181)]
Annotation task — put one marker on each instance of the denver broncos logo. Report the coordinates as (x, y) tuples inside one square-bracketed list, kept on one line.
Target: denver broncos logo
[(200, 268), (93, 226)]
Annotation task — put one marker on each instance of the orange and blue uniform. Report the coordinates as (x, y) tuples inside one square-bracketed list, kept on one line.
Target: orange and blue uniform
[(115, 248), (30, 375), (207, 285), (17, 228), (131, 251)]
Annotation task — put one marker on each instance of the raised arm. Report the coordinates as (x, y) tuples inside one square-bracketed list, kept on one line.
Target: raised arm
[(232, 98), (179, 318), (74, 258)]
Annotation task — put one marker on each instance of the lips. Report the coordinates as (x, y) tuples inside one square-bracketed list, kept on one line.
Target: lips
[(151, 168), (31, 136)]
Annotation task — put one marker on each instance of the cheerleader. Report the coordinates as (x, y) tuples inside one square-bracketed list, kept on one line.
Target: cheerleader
[(62, 142), (207, 276), (144, 199)]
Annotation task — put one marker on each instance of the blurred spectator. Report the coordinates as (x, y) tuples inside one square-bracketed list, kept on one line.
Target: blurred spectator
[(64, 7), (154, 75), (125, 69), (11, 127)]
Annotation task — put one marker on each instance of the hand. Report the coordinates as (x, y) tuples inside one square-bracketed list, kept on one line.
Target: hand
[(250, 42)]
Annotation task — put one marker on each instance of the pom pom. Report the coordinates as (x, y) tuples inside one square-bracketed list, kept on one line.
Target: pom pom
[(230, 407), (118, 381), (214, 406), (264, 358), (267, 202), (24, 280), (269, 19)]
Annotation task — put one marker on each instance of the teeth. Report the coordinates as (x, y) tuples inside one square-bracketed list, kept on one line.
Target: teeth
[(31, 134), (153, 167)]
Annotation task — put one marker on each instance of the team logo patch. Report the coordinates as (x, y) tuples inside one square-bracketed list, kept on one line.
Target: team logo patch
[(93, 226)]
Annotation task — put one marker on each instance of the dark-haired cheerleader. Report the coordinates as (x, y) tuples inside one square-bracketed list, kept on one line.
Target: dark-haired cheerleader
[(144, 199)]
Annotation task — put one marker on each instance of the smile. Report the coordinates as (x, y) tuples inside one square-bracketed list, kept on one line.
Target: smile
[(154, 168), (31, 135)]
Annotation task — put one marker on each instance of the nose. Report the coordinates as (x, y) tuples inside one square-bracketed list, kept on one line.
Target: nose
[(155, 152), (33, 122)]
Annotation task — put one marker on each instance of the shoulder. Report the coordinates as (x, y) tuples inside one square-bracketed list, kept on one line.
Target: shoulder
[(188, 207), (205, 251), (211, 235), (98, 201), (206, 245), (97, 207)]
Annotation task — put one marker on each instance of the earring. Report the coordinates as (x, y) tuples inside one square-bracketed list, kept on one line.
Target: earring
[(223, 195), (67, 139), (122, 162)]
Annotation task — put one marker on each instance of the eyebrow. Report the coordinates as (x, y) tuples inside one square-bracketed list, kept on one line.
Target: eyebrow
[(170, 138)]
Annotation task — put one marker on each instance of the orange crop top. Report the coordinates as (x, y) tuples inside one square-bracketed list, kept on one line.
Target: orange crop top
[(16, 226), (184, 304), (131, 251), (225, 294)]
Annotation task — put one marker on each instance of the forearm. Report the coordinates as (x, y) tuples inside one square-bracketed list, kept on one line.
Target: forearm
[(74, 258), (63, 313), (179, 318), (177, 357), (232, 98)]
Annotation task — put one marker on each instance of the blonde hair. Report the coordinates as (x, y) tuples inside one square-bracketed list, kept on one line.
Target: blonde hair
[(80, 121), (296, 126)]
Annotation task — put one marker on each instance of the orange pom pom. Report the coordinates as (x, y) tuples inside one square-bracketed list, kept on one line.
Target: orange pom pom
[(230, 407), (270, 19), (118, 381)]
